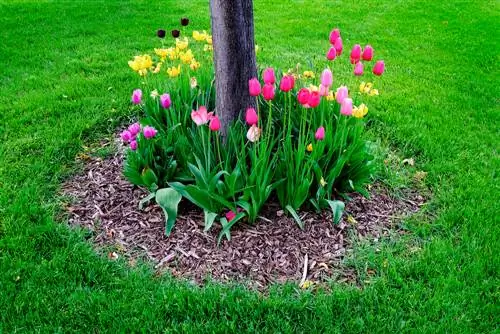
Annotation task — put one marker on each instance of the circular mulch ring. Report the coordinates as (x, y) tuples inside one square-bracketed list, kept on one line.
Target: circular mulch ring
[(274, 250)]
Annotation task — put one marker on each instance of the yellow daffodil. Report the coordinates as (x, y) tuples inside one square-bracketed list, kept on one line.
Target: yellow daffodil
[(367, 88), (330, 96), (200, 37), (164, 53), (141, 63), (181, 43), (361, 111), (186, 57), (174, 71), (373, 92), (208, 48), (157, 68), (309, 148), (308, 74), (194, 65), (209, 39), (193, 82)]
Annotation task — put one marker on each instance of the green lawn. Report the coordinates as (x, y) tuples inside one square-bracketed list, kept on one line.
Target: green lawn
[(65, 83)]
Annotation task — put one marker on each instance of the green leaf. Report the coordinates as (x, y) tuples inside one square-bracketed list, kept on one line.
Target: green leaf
[(226, 226), (295, 216), (337, 210), (168, 199), (149, 178), (146, 200), (209, 220)]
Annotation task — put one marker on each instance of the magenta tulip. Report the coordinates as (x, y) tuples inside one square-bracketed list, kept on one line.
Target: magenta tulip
[(230, 215), (355, 54), (254, 87), (134, 129), (367, 53), (133, 145), (358, 69), (251, 117), (342, 93), (214, 123), (346, 107), (334, 34), (379, 68), (327, 78), (287, 83), (338, 46), (331, 54), (126, 136), (268, 76), (136, 96), (268, 92), (303, 96), (314, 99), (149, 132), (320, 133), (165, 101)]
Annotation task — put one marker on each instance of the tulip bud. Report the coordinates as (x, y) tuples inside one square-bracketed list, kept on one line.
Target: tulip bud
[(287, 83), (184, 21), (214, 123), (355, 54), (367, 53), (327, 78), (338, 46), (268, 76), (254, 87), (165, 101), (342, 93), (149, 132), (126, 136), (379, 68), (320, 133), (268, 92), (358, 69), (334, 34), (133, 145), (136, 96), (331, 54), (346, 107), (161, 33), (175, 33), (251, 117)]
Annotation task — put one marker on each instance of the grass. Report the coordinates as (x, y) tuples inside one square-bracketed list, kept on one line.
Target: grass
[(65, 84)]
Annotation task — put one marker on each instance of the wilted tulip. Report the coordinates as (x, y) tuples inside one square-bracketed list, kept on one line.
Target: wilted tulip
[(367, 53), (251, 117), (254, 87), (379, 67)]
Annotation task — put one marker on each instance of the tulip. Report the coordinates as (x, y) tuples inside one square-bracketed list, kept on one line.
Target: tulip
[(314, 99), (323, 90), (379, 68), (133, 145), (320, 133), (137, 96), (126, 136), (331, 54), (367, 53), (358, 69), (327, 78), (334, 34), (201, 116), (176, 33), (342, 93), (149, 132), (346, 107), (161, 33), (214, 123), (287, 83), (134, 129), (303, 96), (355, 54), (165, 101), (184, 21), (268, 76), (251, 116), (230, 215), (338, 46), (268, 92), (254, 87), (253, 133)]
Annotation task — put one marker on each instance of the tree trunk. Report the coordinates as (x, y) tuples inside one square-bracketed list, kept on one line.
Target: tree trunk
[(234, 57)]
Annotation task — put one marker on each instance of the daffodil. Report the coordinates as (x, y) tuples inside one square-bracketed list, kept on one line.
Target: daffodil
[(330, 96), (199, 37), (360, 111), (186, 57), (308, 74), (208, 48), (194, 65), (373, 92), (181, 43), (209, 39), (309, 148), (174, 71), (141, 63), (157, 68)]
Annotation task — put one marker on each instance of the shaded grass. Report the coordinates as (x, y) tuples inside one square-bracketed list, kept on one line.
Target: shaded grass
[(64, 83)]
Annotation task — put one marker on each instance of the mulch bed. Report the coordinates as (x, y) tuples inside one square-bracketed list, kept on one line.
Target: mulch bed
[(274, 250)]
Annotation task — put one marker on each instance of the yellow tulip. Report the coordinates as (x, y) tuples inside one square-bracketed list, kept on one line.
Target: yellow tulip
[(181, 43), (309, 148), (330, 96), (174, 71), (199, 37), (361, 111), (141, 63), (186, 57), (209, 39)]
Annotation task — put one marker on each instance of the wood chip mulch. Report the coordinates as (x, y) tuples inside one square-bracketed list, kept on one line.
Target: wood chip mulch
[(274, 250)]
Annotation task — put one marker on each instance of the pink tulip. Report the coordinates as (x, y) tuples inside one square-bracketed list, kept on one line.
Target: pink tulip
[(346, 107), (338, 46), (126, 136), (367, 53), (314, 99), (134, 129), (201, 116), (253, 133), (342, 93), (331, 54), (320, 133), (254, 87), (287, 83), (149, 132), (334, 34), (230, 215), (133, 145), (268, 76), (136, 96), (165, 101), (327, 78), (379, 68), (251, 116), (355, 54), (303, 96), (323, 90), (268, 92), (214, 123), (358, 69)]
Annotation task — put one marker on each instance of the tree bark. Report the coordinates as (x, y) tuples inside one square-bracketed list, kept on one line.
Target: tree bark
[(234, 57)]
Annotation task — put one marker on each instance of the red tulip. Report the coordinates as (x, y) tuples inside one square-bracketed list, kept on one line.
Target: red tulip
[(379, 68), (355, 54), (303, 96), (338, 46), (367, 53), (268, 76), (254, 87), (251, 116), (268, 92), (331, 54), (358, 69), (287, 83), (214, 123), (320, 133), (314, 99), (334, 34), (230, 215)]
